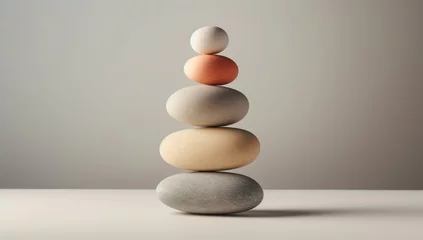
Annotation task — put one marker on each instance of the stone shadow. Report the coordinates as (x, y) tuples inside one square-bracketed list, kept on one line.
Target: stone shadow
[(288, 213)]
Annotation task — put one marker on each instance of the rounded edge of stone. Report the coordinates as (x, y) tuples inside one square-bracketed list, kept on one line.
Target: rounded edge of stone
[(215, 49), (241, 94), (259, 195)]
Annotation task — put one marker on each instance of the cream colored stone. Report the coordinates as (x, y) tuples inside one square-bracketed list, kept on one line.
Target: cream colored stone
[(210, 149)]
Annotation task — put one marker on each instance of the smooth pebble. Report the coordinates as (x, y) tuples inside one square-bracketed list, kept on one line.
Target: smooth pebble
[(209, 40), (211, 69), (210, 193), (210, 149), (207, 106)]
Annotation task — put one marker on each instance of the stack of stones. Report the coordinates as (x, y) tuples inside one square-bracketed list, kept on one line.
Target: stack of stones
[(209, 148)]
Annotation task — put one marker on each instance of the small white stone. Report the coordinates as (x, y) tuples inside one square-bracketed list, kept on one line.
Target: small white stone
[(209, 40)]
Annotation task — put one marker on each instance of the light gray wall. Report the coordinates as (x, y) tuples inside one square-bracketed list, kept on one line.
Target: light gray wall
[(335, 89)]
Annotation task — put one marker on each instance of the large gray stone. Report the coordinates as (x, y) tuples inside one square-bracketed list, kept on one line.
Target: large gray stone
[(210, 192), (207, 106)]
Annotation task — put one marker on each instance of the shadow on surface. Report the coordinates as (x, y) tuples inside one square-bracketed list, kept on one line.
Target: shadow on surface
[(280, 213), (268, 213)]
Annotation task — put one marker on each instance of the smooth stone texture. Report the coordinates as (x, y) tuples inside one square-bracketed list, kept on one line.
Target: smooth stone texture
[(210, 149), (211, 69), (210, 193), (209, 106), (209, 40)]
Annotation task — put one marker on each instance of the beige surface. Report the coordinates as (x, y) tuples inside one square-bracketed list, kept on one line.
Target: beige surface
[(208, 149), (139, 215), (204, 105)]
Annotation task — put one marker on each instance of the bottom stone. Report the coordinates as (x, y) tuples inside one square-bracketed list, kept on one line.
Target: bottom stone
[(210, 192)]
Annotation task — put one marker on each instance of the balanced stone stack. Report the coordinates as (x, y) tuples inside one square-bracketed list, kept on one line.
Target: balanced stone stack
[(209, 148)]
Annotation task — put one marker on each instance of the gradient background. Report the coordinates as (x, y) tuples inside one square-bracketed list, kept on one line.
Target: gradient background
[(335, 90)]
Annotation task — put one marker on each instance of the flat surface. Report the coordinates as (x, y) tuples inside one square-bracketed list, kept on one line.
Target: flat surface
[(137, 214)]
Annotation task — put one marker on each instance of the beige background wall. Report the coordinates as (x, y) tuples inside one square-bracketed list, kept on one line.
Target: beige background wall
[(335, 90)]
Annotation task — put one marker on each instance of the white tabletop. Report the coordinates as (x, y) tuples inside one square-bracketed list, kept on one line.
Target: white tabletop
[(138, 214)]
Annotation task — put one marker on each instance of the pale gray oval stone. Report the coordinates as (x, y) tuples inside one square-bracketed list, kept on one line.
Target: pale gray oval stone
[(207, 106), (210, 192)]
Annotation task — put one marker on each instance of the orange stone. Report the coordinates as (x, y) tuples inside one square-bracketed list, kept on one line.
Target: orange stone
[(211, 69)]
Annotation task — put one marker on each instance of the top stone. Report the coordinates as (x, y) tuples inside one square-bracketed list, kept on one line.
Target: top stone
[(209, 40)]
